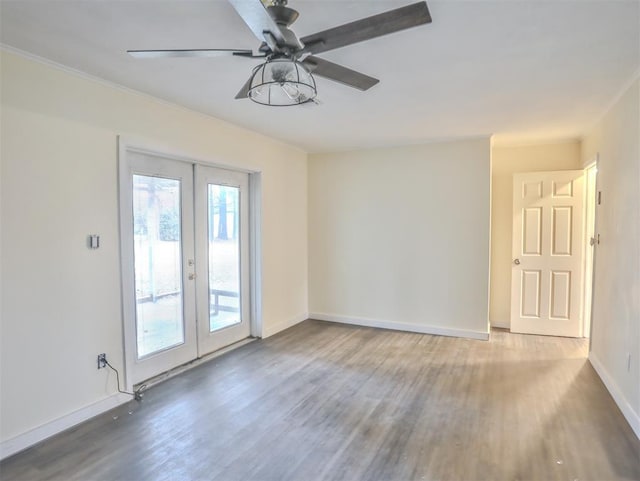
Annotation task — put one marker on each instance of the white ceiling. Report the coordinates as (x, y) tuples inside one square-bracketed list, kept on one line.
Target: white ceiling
[(525, 71)]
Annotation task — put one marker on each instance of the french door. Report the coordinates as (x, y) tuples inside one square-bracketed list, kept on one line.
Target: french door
[(184, 230), (222, 250)]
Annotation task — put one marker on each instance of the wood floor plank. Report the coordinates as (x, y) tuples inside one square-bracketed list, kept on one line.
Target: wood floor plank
[(324, 401)]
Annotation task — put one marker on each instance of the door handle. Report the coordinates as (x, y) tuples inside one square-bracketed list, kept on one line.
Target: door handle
[(516, 262), (192, 277)]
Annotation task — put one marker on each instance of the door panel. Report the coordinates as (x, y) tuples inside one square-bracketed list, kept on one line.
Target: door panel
[(561, 231), (547, 277), (222, 247), (158, 255), (560, 295), (530, 304), (532, 236)]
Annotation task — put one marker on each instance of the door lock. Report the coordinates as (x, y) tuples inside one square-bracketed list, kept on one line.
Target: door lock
[(516, 262)]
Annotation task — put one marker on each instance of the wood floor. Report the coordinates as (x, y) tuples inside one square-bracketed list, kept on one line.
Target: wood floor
[(324, 401)]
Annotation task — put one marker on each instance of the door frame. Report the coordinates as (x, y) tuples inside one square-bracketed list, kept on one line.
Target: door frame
[(143, 146), (591, 206)]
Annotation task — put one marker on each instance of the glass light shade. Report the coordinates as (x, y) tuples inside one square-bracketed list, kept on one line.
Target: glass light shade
[(282, 82)]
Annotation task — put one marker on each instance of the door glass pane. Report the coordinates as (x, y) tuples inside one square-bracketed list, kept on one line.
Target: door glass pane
[(224, 256), (158, 263)]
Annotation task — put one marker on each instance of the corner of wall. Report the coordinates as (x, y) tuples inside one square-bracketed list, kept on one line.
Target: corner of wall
[(632, 417), (281, 326)]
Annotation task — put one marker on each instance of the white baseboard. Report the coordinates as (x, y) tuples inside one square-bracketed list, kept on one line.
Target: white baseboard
[(401, 326), (632, 417), (281, 326), (35, 435)]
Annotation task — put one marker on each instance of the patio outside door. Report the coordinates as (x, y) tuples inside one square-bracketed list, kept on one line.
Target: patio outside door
[(184, 230)]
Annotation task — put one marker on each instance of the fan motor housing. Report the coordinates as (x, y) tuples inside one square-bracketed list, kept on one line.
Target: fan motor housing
[(283, 15)]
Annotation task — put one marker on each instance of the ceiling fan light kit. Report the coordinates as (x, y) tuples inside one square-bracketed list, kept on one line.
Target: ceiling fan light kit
[(286, 78), (282, 82)]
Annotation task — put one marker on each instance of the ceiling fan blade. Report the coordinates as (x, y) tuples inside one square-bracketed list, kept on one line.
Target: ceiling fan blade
[(263, 26), (367, 28), (244, 91), (202, 52), (338, 73)]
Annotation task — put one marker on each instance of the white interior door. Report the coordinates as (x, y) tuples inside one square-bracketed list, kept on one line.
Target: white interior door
[(222, 252), (548, 253)]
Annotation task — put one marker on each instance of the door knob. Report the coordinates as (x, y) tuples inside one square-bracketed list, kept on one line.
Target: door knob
[(516, 262)]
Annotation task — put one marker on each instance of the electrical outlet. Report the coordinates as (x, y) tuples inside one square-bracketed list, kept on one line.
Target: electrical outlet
[(102, 360)]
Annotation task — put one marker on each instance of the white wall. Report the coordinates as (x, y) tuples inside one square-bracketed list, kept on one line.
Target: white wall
[(61, 301), (506, 161), (616, 296), (399, 237)]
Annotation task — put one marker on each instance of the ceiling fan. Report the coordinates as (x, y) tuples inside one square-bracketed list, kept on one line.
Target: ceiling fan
[(285, 78)]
